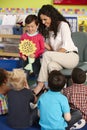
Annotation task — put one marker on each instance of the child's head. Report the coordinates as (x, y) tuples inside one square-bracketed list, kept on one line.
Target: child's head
[(31, 23), (17, 79), (3, 76), (56, 81), (78, 76)]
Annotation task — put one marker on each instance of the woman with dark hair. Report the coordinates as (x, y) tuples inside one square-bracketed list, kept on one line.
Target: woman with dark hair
[(61, 51)]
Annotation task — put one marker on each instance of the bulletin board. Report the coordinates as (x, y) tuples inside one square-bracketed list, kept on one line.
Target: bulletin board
[(73, 20), (70, 2), (77, 17)]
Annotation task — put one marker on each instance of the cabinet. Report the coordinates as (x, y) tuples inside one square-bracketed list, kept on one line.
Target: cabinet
[(9, 59), (6, 36)]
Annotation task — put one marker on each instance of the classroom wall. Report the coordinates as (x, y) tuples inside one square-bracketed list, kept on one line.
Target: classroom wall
[(75, 13), (24, 3), (33, 4)]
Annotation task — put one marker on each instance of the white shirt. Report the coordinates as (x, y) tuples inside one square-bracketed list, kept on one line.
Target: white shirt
[(63, 39)]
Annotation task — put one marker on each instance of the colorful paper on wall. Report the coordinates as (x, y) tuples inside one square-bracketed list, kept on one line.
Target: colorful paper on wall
[(69, 10)]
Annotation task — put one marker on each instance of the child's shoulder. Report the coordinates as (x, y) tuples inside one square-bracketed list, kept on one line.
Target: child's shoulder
[(24, 34), (40, 35)]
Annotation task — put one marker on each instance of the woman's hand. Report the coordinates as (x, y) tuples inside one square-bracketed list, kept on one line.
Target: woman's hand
[(62, 50)]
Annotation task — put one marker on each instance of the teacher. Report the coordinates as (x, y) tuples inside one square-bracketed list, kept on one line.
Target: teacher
[(61, 51)]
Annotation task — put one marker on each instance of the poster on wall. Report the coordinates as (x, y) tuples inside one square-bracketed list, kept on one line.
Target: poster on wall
[(73, 22), (70, 2), (82, 23), (9, 20)]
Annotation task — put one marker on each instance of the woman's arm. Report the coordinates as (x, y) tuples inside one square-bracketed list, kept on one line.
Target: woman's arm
[(35, 99), (48, 47)]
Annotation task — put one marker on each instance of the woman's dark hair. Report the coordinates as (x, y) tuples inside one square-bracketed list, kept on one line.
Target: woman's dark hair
[(78, 76), (56, 18), (56, 81), (31, 18)]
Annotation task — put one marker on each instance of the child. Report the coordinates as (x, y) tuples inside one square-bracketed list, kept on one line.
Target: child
[(32, 34), (77, 92), (20, 115), (3, 91), (53, 105)]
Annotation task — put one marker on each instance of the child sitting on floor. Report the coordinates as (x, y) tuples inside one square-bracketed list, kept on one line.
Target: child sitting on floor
[(53, 103), (77, 94), (3, 91), (20, 114)]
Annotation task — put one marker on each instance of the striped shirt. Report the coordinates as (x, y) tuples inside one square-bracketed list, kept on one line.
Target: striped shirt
[(3, 104)]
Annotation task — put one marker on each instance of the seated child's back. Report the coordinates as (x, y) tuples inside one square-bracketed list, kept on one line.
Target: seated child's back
[(20, 114)]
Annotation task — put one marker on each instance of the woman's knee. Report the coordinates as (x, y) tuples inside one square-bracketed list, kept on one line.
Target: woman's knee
[(54, 66), (45, 54)]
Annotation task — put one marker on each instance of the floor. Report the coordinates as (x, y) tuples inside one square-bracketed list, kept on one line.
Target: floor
[(4, 126)]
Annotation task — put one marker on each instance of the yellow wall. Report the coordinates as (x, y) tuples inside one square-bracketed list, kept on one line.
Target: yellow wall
[(32, 4), (24, 3)]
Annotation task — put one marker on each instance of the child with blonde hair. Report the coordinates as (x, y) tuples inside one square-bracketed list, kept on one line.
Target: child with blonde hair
[(17, 79), (20, 114)]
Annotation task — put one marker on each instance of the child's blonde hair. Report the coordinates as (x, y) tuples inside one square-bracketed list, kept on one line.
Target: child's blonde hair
[(17, 79)]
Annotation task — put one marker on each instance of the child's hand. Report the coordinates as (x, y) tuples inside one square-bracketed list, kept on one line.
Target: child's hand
[(24, 57), (32, 105), (32, 56)]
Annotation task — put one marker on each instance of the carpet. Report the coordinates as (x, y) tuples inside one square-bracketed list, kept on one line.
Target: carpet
[(4, 126)]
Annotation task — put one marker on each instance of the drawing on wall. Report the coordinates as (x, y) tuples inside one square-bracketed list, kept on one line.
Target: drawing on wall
[(82, 23)]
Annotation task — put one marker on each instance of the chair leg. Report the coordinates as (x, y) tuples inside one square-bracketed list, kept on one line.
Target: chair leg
[(68, 81)]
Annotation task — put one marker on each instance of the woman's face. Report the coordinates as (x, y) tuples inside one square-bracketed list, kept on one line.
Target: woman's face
[(45, 20)]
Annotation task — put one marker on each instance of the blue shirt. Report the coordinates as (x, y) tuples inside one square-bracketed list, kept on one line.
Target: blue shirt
[(52, 107)]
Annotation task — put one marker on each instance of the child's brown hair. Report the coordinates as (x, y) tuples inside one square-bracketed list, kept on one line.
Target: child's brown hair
[(3, 76), (56, 81), (78, 76)]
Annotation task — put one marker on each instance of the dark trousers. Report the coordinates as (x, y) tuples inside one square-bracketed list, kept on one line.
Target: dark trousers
[(76, 115), (36, 67), (34, 120)]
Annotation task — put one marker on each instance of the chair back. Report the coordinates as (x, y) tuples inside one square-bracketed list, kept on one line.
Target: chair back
[(80, 40)]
